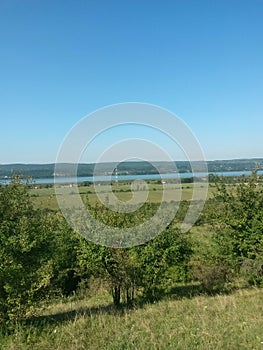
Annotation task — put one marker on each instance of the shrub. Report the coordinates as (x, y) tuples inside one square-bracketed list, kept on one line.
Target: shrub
[(252, 270), (212, 275)]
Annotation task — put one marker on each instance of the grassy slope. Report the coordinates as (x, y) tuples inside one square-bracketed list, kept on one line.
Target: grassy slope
[(220, 322)]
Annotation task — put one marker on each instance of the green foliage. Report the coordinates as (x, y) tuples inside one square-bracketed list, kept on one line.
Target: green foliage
[(165, 253), (252, 270), (25, 261), (41, 256), (211, 272), (117, 267), (38, 253), (239, 221), (65, 245), (147, 267), (121, 270)]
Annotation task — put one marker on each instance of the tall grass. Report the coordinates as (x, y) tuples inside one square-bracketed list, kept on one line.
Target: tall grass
[(233, 321)]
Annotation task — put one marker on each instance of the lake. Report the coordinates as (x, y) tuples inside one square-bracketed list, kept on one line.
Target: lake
[(133, 177)]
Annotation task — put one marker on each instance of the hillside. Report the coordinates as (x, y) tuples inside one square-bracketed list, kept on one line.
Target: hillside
[(48, 170), (202, 322)]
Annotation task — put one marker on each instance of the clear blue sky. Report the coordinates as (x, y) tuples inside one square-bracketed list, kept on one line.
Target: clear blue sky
[(62, 59)]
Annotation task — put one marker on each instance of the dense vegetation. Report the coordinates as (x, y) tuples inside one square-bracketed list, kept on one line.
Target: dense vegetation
[(43, 260)]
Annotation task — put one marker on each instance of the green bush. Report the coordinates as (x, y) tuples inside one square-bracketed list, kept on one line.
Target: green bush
[(212, 276), (252, 270)]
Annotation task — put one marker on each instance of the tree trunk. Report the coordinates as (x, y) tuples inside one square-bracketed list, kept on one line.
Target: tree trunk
[(116, 295)]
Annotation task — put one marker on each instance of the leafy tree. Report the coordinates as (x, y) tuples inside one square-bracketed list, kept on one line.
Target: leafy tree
[(239, 222), (25, 261), (168, 252), (118, 267), (65, 245), (146, 267)]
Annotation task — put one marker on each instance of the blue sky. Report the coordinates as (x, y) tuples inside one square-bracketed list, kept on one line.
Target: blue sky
[(62, 59)]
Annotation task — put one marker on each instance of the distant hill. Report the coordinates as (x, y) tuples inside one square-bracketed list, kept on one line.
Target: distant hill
[(140, 167)]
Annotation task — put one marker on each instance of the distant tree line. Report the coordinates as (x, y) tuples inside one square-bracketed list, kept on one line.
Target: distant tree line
[(124, 168)]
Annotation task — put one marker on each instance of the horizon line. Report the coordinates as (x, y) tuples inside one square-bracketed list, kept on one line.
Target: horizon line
[(138, 161)]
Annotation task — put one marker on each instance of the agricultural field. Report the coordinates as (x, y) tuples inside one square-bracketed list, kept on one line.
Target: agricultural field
[(45, 197)]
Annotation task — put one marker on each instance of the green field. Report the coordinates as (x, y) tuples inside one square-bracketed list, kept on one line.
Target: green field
[(233, 321), (46, 198)]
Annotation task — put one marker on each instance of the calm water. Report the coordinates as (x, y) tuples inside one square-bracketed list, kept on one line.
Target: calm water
[(133, 177)]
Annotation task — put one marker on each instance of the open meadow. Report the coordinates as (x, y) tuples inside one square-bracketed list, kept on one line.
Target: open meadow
[(231, 322), (45, 197)]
